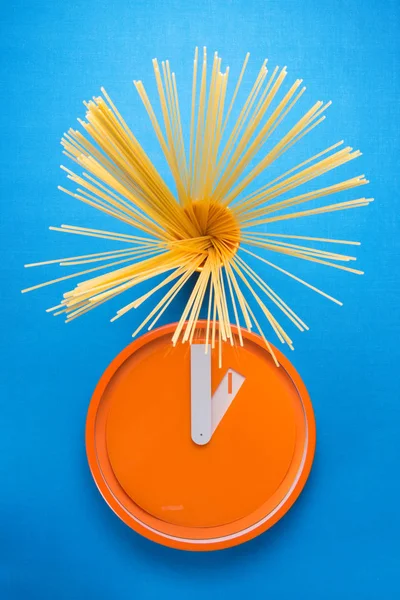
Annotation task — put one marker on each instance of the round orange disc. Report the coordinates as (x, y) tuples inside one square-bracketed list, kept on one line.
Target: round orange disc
[(189, 496)]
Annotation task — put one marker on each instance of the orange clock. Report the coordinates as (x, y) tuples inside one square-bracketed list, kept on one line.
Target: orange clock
[(196, 456)]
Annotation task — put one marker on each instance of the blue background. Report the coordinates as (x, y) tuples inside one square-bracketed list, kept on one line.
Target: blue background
[(58, 539)]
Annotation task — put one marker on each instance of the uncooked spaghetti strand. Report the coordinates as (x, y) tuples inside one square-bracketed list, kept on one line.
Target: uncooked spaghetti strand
[(116, 212), (136, 303), (302, 133), (195, 311), (82, 298), (318, 169), (303, 237), (275, 246), (169, 229), (82, 256), (128, 150), (192, 119), (142, 271), (271, 156), (276, 299), (80, 312), (170, 106), (215, 303), (208, 126), (280, 332), (219, 133), (242, 155), (246, 112), (239, 125), (108, 195), (99, 235), (163, 143), (235, 168), (199, 244), (128, 163), (113, 178), (315, 211), (125, 195), (195, 308), (182, 153), (214, 323), (84, 310), (222, 310), (232, 102), (137, 271), (199, 128), (108, 211), (226, 308), (154, 263), (121, 236), (176, 291), (235, 311), (147, 224), (187, 308), (260, 331), (92, 301), (140, 278), (244, 117), (65, 277), (211, 128), (131, 136), (77, 147), (98, 298), (177, 139), (133, 281), (155, 204), (180, 146), (241, 299), (303, 198), (139, 215), (292, 170), (264, 97), (283, 184), (240, 121), (224, 257), (278, 121), (145, 161), (210, 304), (247, 313), (133, 253), (218, 297), (303, 256), (112, 141), (298, 247)]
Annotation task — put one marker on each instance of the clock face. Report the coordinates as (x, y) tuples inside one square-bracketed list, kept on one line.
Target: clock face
[(195, 455)]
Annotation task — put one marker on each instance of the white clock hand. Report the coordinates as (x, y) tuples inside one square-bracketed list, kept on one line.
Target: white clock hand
[(207, 411)]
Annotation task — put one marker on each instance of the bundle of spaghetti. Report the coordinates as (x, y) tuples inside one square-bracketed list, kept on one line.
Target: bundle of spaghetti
[(202, 230)]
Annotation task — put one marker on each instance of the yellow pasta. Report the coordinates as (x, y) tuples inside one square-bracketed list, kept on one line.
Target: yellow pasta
[(203, 228)]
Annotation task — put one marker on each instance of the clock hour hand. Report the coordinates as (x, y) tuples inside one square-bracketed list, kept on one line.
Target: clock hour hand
[(207, 411)]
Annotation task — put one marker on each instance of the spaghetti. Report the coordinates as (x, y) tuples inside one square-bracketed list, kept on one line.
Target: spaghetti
[(209, 225)]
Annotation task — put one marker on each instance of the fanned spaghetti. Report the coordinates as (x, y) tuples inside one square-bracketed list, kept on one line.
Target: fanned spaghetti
[(210, 224)]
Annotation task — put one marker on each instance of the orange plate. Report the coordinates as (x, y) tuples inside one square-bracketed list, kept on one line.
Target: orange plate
[(174, 492)]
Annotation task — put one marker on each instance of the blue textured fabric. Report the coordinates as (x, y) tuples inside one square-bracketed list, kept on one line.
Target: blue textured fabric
[(58, 539)]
